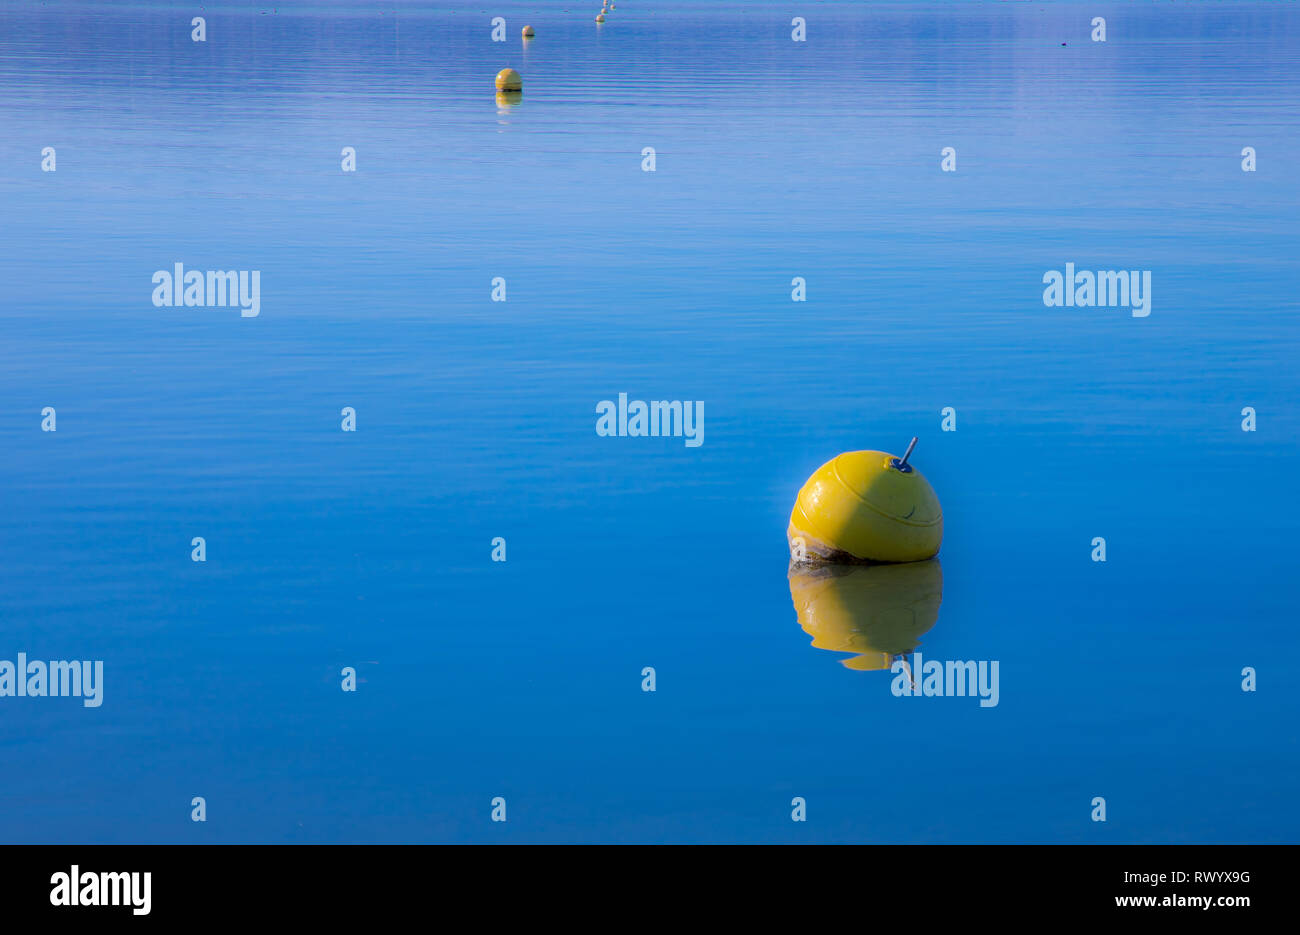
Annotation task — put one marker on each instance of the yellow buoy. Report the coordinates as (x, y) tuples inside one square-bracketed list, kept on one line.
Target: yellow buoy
[(508, 80), (879, 612), (866, 506), (600, 17), (528, 32)]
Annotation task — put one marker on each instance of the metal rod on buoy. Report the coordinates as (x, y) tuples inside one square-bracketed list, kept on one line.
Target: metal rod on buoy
[(903, 463)]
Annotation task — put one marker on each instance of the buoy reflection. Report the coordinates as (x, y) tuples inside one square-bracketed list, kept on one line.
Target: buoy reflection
[(878, 612)]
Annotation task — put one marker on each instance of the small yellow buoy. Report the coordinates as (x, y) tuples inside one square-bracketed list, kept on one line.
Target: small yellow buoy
[(879, 612), (528, 32), (866, 506), (600, 17), (508, 80)]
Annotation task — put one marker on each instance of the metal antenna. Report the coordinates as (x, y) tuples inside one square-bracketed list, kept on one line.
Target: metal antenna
[(908, 454)]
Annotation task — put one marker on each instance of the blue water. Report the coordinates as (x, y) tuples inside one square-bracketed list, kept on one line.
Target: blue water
[(475, 419)]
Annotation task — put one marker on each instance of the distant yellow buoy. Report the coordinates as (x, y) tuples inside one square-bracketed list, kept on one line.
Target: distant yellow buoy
[(866, 506), (879, 612), (508, 80), (600, 17), (528, 32)]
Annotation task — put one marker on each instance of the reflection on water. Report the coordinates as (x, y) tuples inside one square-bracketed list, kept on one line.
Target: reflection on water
[(476, 418), (879, 612)]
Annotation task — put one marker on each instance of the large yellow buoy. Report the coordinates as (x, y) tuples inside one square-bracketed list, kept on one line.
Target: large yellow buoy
[(508, 80), (879, 612), (866, 506), (528, 32)]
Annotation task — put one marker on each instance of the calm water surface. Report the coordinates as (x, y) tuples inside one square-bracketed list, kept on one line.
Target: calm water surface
[(475, 419)]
